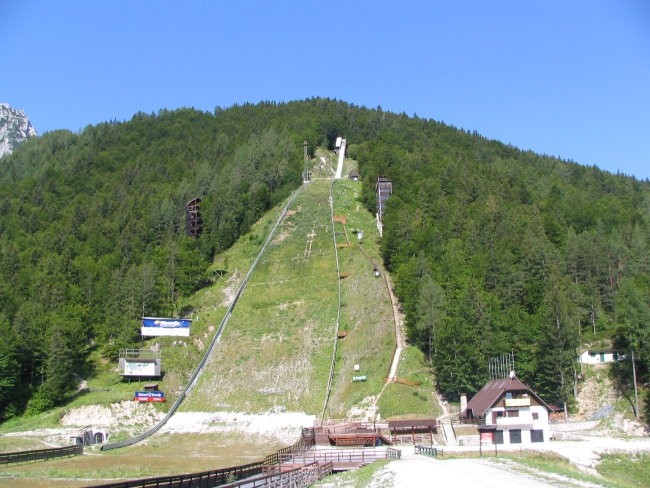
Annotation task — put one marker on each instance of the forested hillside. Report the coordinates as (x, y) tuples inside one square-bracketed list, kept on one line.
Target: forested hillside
[(493, 250)]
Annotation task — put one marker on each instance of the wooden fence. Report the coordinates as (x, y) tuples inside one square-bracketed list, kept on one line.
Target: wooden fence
[(300, 477), (217, 477), (220, 477), (40, 454)]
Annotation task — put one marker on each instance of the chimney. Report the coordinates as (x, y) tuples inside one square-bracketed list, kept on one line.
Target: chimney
[(463, 404)]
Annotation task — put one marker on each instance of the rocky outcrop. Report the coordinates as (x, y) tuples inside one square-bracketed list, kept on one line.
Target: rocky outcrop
[(15, 128)]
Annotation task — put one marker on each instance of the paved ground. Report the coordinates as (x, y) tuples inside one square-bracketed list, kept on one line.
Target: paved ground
[(454, 473), (416, 470)]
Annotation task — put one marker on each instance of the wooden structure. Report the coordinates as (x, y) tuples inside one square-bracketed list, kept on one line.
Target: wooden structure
[(306, 174), (343, 220), (383, 189), (193, 221), (350, 434), (341, 459), (403, 381), (416, 429)]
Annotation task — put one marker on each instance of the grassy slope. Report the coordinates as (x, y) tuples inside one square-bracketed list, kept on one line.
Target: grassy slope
[(276, 349)]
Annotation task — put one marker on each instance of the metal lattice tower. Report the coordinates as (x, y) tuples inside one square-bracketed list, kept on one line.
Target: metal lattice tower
[(501, 366), (306, 174)]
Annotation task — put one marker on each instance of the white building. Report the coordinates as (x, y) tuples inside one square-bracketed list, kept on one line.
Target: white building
[(509, 412), (600, 356)]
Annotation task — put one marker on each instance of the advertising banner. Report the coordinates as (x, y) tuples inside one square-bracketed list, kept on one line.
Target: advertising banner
[(149, 396), (154, 326), (140, 368)]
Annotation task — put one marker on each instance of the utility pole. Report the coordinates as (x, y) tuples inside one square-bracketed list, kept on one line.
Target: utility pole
[(636, 393)]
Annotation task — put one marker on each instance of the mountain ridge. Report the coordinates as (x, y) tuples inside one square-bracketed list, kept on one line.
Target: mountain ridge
[(480, 237)]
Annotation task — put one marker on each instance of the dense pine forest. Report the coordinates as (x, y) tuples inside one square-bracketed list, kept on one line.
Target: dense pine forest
[(493, 250)]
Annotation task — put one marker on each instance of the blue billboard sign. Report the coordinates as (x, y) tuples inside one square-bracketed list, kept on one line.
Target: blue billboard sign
[(155, 326), (149, 396)]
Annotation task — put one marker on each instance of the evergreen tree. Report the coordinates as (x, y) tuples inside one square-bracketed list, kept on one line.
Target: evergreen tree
[(559, 342)]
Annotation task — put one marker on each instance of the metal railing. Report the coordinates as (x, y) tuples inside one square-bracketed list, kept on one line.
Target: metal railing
[(428, 451)]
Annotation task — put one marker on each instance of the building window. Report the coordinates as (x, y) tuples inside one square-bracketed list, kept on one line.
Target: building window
[(498, 437), (535, 415), (512, 413), (536, 436), (515, 436), (496, 414)]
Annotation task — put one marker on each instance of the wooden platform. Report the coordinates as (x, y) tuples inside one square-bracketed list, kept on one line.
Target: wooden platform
[(342, 459), (352, 439)]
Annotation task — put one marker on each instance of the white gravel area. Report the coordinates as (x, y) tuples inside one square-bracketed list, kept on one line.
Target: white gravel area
[(588, 449), (284, 427), (122, 413)]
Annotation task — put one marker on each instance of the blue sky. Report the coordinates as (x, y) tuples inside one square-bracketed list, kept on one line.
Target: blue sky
[(563, 78)]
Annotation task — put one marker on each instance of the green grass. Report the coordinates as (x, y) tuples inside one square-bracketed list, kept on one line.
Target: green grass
[(359, 478), (404, 401), (538, 464), (622, 470), (162, 455), (18, 444), (625, 470), (276, 345)]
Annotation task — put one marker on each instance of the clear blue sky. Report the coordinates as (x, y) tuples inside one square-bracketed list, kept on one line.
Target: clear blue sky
[(564, 78)]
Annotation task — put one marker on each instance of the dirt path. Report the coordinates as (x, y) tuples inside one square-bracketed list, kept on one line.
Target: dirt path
[(398, 319)]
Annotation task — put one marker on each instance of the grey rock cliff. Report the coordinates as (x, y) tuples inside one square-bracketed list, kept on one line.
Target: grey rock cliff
[(15, 128)]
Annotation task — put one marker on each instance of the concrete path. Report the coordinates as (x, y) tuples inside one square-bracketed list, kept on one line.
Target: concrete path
[(339, 167)]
